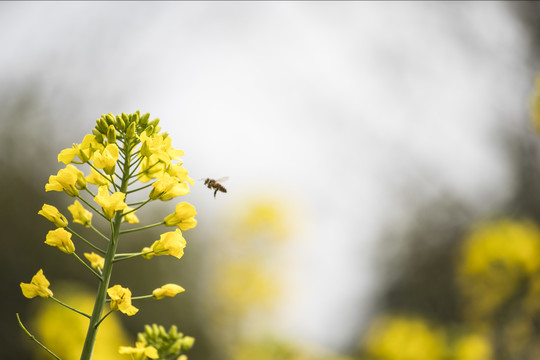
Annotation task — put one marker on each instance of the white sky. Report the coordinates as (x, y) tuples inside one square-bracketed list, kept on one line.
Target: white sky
[(336, 106)]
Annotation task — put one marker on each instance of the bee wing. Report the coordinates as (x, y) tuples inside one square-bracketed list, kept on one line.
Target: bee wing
[(225, 178)]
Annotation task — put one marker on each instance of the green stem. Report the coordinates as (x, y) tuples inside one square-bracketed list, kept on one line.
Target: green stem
[(103, 318), (69, 307), (93, 208), (32, 337), (86, 241), (130, 256), (139, 189), (142, 297), (87, 266), (142, 228), (99, 304), (99, 233)]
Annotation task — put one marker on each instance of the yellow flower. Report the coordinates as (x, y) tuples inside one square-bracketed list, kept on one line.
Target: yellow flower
[(96, 261), (68, 180), (39, 286), (52, 214), (61, 239), (121, 300), (473, 347), (131, 217), (139, 352), (106, 159), (168, 187), (396, 337), (167, 290), (152, 167), (160, 145), (170, 243), (183, 216), (98, 179), (180, 173), (110, 203), (84, 151), (80, 214)]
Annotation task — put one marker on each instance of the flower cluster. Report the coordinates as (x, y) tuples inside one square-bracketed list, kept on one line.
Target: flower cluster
[(124, 155)]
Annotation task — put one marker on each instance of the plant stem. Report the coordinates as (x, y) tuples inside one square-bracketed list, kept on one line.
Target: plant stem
[(96, 318)]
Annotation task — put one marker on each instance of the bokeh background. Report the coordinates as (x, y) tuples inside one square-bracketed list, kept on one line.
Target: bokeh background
[(383, 195)]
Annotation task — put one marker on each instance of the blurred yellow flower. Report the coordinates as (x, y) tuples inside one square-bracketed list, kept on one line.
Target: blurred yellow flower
[(139, 352), (473, 346), (64, 330), (496, 258), (405, 338)]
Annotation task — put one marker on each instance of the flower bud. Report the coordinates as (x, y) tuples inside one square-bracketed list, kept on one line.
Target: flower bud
[(187, 342), (144, 119), (111, 134), (110, 119), (130, 132), (52, 214), (120, 124)]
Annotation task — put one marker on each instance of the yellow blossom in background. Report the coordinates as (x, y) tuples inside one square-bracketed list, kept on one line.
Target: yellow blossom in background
[(39, 286), (110, 203), (139, 352), (84, 151), (404, 338), (96, 178), (80, 214), (183, 216), (61, 239), (96, 261), (167, 290), (52, 214), (106, 159), (131, 217), (121, 300), (473, 346), (496, 257), (64, 330), (167, 187)]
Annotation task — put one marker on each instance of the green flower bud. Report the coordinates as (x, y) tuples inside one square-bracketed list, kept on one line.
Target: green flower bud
[(187, 343), (130, 132), (144, 119), (120, 124), (111, 120), (111, 134), (126, 119), (102, 126)]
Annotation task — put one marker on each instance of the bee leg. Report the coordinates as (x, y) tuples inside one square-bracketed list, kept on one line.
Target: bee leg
[(215, 192)]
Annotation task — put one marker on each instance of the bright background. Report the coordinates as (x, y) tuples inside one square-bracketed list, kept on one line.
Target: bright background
[(350, 114)]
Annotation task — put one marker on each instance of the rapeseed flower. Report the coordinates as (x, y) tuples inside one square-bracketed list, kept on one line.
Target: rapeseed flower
[(183, 216), (168, 187), (96, 261), (170, 243), (80, 214), (140, 351), (70, 180), (61, 239), (121, 300), (52, 214), (110, 203), (167, 290), (39, 286)]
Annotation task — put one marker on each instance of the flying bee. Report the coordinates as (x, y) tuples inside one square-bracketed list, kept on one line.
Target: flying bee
[(215, 185)]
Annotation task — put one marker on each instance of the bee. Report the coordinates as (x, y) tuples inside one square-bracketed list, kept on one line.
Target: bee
[(215, 185)]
